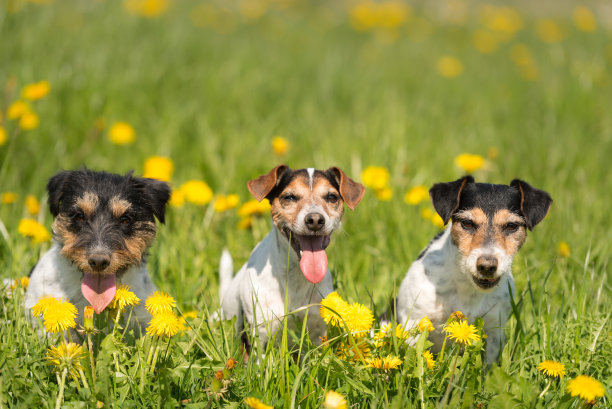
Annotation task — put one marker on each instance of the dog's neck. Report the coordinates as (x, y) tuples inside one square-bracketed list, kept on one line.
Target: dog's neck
[(285, 251)]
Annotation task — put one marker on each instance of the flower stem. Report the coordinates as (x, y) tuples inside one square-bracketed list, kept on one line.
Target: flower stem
[(450, 380), (91, 358), (60, 394)]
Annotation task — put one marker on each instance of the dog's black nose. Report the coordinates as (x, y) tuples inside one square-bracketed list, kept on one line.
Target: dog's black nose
[(486, 265), (98, 262), (314, 221)]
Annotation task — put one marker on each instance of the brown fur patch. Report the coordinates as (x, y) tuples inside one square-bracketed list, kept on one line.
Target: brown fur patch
[(118, 206), (511, 242), (69, 242), (88, 203), (466, 240)]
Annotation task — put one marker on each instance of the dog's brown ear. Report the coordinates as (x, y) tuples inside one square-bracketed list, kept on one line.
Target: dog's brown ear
[(352, 192), (445, 196), (263, 185), (535, 203)]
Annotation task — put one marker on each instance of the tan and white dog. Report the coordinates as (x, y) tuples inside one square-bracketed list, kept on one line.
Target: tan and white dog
[(306, 208)]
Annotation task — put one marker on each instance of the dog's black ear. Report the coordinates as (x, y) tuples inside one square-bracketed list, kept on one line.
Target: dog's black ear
[(445, 196), (535, 203), (263, 185), (158, 194), (56, 186), (352, 192)]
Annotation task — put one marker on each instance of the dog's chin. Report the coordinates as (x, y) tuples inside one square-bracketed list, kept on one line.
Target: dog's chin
[(485, 283), (295, 244)]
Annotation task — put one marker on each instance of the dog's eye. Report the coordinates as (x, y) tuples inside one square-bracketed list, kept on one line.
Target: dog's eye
[(332, 198), (79, 217), (511, 227), (125, 220), (468, 225), (290, 197)]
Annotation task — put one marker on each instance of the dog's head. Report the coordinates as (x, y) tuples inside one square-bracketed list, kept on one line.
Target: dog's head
[(104, 224), (307, 205), (489, 223)]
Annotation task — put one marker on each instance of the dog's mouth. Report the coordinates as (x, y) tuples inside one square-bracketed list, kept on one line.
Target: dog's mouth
[(485, 283), (311, 252)]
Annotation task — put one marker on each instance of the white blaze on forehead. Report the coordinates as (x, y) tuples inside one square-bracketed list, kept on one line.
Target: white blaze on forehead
[(310, 176)]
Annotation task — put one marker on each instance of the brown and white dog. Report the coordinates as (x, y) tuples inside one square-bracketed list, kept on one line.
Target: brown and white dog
[(103, 225), (468, 267), (306, 208)]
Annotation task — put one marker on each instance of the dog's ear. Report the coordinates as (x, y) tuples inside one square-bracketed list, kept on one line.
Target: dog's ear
[(535, 203), (445, 196), (263, 185), (158, 193), (56, 186), (352, 192)]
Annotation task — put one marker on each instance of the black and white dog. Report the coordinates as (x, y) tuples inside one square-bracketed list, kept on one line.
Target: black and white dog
[(103, 225), (468, 267)]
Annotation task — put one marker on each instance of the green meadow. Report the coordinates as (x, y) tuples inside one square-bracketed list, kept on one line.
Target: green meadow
[(406, 86)]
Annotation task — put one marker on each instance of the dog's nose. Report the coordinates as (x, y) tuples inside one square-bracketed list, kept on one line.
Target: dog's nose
[(486, 265), (98, 262), (314, 221)]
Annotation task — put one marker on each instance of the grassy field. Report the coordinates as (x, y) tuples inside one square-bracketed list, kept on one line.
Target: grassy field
[(405, 86)]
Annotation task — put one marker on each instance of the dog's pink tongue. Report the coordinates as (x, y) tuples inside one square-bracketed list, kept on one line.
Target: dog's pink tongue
[(314, 259), (99, 290)]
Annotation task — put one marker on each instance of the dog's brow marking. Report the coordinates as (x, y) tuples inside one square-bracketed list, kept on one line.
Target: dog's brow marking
[(310, 176), (118, 206), (88, 203)]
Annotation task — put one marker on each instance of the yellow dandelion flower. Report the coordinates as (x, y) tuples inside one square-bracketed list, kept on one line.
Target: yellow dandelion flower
[(177, 198), (66, 356), (457, 315), (354, 352), (552, 368), (3, 136), (197, 192), (17, 109), (416, 195), (245, 223), (462, 332), (358, 319), (468, 162), (429, 359), (158, 167), (586, 388), (22, 282), (392, 14), (388, 362), (450, 67), (564, 249), (36, 90), (584, 19), (60, 316), (280, 145), (123, 298), (504, 21), (146, 8), (32, 204), (256, 404), (333, 308), (165, 323), (159, 302), (425, 324), (437, 220), (31, 228), (385, 194), (8, 197), (375, 177), (484, 41), (334, 400), (253, 207), (223, 203), (29, 121), (44, 303), (121, 133), (549, 31)]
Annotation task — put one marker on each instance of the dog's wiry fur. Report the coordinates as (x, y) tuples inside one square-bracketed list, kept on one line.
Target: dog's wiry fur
[(306, 207), (468, 267), (103, 225)]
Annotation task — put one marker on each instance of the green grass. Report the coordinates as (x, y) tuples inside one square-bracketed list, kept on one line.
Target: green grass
[(212, 98)]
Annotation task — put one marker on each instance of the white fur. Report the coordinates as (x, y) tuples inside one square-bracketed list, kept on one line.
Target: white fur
[(439, 283), (55, 275), (256, 294), (310, 172)]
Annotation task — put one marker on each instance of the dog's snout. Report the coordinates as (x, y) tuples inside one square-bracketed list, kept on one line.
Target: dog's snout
[(486, 265), (99, 261), (314, 221)]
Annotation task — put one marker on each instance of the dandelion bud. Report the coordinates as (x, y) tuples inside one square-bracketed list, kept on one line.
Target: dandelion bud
[(88, 318), (219, 375)]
